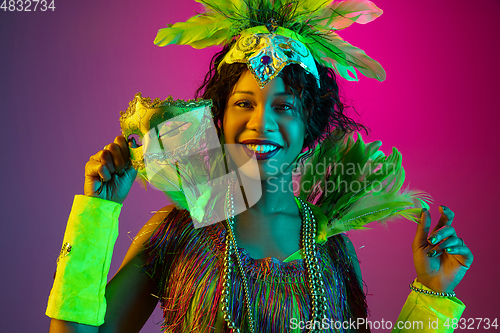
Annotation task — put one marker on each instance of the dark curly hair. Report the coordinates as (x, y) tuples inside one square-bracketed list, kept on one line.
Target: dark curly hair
[(323, 111)]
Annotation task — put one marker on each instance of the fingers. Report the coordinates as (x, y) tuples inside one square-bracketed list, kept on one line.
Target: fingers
[(454, 246), (442, 245), (442, 230), (448, 243), (114, 158), (124, 148), (446, 218), (443, 234), (100, 166), (440, 234), (464, 252), (114, 153), (423, 227)]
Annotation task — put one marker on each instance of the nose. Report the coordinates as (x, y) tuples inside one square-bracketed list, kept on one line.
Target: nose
[(262, 119)]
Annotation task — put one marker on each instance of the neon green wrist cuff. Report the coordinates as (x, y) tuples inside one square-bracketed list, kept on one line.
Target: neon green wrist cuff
[(83, 264), (434, 313)]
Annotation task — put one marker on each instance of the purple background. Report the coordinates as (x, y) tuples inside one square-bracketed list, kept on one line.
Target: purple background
[(65, 75)]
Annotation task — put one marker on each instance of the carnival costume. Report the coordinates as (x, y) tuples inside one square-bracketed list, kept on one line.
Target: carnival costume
[(199, 267)]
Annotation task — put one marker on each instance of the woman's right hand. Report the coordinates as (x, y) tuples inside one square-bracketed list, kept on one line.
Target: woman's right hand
[(112, 165)]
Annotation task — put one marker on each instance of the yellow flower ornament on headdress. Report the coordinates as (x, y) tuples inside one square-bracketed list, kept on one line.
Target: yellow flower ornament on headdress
[(271, 34)]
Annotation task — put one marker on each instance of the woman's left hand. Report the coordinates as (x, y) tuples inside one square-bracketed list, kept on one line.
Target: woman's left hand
[(441, 258)]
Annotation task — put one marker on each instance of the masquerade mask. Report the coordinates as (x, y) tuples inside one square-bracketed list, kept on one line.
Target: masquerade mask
[(181, 155), (164, 127)]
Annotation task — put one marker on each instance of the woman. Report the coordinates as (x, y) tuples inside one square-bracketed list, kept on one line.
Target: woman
[(200, 276)]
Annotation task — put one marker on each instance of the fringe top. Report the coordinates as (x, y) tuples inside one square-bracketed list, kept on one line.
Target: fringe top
[(187, 264)]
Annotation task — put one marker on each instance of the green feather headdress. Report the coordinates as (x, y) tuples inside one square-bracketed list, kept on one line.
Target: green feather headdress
[(313, 23)]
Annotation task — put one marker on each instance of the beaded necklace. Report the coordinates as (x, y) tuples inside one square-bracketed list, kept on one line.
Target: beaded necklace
[(313, 271)]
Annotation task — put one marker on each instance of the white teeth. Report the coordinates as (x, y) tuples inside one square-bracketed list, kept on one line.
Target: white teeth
[(262, 149)]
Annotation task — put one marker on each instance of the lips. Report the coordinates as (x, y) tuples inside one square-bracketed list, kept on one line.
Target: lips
[(263, 149)]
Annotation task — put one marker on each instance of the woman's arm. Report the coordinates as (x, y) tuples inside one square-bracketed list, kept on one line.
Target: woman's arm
[(131, 295)]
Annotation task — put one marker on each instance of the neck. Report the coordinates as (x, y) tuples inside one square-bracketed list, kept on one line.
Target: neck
[(277, 196)]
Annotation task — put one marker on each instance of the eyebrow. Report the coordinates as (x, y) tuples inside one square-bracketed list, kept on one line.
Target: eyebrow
[(243, 92), (284, 93)]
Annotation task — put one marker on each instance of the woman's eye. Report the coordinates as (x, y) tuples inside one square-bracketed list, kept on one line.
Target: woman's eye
[(284, 108), (243, 104)]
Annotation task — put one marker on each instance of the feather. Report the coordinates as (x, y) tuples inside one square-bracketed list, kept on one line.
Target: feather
[(311, 6), (348, 55), (227, 6), (195, 30), (372, 208), (366, 184), (347, 72), (340, 15), (177, 198), (218, 38)]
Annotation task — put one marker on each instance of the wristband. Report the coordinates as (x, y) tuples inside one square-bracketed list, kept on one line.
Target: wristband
[(83, 264), (433, 312), (431, 292)]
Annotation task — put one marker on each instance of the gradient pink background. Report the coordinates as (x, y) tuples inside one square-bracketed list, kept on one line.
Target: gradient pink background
[(65, 75)]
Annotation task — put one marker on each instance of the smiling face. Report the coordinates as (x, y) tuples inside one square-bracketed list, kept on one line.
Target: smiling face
[(266, 122)]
